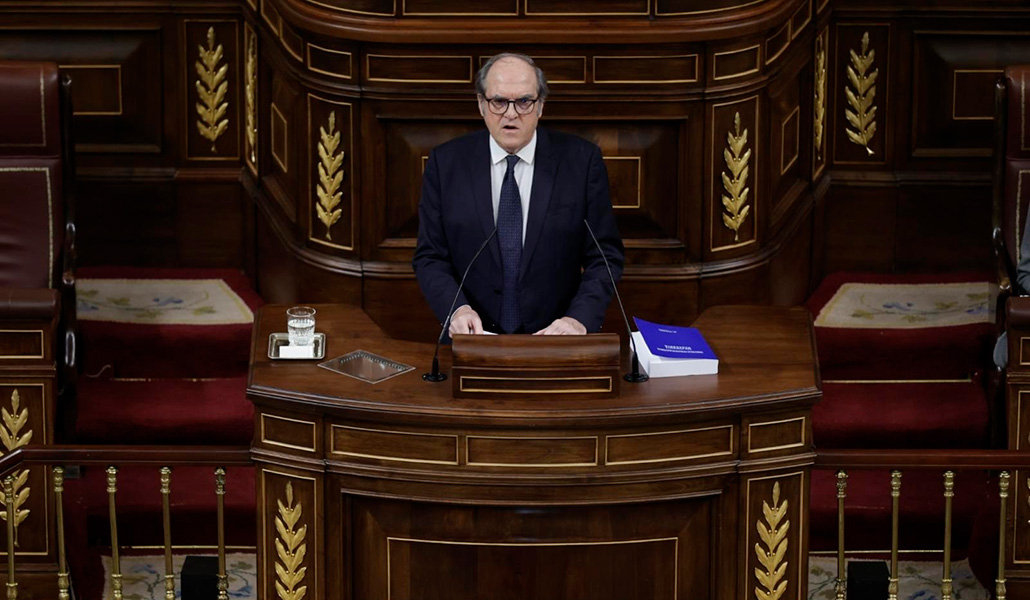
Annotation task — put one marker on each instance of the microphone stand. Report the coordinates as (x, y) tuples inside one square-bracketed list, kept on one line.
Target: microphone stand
[(634, 375), (435, 375)]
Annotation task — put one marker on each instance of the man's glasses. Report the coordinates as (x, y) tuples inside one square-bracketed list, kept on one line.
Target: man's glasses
[(523, 106)]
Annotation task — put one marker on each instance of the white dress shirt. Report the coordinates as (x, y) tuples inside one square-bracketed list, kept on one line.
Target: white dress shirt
[(523, 176)]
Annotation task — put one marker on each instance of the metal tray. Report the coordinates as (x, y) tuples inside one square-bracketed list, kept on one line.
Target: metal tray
[(366, 366), (278, 340)]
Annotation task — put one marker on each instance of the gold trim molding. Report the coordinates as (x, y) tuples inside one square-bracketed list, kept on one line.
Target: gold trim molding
[(266, 440), (734, 183), (12, 437), (291, 549), (860, 96), (211, 90), (819, 104), (250, 87), (330, 176), (42, 343), (771, 549)]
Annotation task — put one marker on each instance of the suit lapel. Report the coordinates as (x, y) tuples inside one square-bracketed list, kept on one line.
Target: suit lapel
[(479, 168), (544, 168)]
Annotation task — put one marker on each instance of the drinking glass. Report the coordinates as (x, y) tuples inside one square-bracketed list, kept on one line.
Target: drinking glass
[(300, 325)]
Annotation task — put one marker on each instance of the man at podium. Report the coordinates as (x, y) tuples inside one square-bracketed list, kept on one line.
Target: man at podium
[(530, 194)]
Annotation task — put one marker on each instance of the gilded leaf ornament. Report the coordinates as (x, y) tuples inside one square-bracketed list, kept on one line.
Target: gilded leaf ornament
[(771, 549), (250, 98), (11, 436), (819, 117), (330, 176), (211, 89), (860, 93), (291, 549), (734, 182)]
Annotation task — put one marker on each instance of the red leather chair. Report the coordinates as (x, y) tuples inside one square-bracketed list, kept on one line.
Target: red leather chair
[(37, 300)]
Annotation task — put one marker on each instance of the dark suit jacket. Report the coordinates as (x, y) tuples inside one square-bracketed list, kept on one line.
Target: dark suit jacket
[(562, 273)]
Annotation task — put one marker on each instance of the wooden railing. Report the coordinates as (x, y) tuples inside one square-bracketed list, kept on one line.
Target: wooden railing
[(1004, 462), (112, 458)]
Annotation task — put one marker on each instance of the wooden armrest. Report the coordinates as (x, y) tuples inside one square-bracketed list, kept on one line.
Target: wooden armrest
[(17, 304)]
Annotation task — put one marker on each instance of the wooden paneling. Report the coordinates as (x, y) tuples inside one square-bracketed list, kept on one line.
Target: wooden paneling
[(860, 228), (422, 550), (116, 82), (953, 101)]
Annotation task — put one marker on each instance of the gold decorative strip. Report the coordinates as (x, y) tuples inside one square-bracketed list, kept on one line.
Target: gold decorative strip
[(291, 549), (166, 519), (772, 557), (720, 75), (481, 383), (266, 439), (279, 137), (736, 158), (330, 176), (12, 585), (250, 98), (892, 582), (795, 115), (112, 515), (12, 438), (211, 89), (64, 581), (860, 95), (1003, 495), (223, 578), (949, 495), (840, 583), (819, 106)]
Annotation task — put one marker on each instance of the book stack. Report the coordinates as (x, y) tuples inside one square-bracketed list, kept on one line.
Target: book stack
[(673, 351)]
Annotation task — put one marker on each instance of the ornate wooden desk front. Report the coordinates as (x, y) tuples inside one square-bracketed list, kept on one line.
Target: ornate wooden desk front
[(684, 487)]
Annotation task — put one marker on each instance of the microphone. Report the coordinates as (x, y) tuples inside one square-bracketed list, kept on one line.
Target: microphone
[(435, 375), (634, 376)]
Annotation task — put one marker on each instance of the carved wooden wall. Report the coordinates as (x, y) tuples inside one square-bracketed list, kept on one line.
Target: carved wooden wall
[(288, 137)]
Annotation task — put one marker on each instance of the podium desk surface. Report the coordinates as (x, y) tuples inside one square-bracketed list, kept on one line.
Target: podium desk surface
[(766, 361)]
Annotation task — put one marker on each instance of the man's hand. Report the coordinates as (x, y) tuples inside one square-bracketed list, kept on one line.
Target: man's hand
[(465, 320), (563, 326)]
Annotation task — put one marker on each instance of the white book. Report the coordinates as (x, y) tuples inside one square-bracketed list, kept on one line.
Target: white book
[(659, 366)]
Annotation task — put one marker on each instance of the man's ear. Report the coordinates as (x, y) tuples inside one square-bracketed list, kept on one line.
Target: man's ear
[(539, 108), (480, 101)]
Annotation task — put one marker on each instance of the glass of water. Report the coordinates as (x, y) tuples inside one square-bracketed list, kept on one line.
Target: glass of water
[(300, 325)]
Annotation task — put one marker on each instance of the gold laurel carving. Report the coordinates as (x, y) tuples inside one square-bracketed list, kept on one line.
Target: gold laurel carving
[(11, 436), (211, 89), (735, 199), (250, 98), (773, 535), (291, 549), (820, 97), (330, 176), (860, 94)]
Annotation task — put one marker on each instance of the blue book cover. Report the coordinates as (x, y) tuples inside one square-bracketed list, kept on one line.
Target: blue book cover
[(670, 341)]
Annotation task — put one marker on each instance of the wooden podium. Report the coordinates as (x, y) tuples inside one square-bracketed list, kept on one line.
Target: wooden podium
[(680, 487)]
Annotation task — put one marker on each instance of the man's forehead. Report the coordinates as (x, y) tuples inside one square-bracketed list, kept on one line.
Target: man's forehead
[(510, 71)]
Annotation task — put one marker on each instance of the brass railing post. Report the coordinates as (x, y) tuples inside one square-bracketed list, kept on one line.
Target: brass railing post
[(63, 580), (892, 586), (166, 515), (223, 579), (11, 512), (949, 494), (842, 488), (116, 565), (1003, 494)]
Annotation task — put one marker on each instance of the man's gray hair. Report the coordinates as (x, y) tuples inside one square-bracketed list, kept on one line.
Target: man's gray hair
[(541, 80)]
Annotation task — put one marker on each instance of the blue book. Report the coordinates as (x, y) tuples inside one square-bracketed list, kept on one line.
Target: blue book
[(670, 350)]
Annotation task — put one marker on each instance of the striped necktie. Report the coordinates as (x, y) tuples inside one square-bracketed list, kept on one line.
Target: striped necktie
[(509, 235)]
